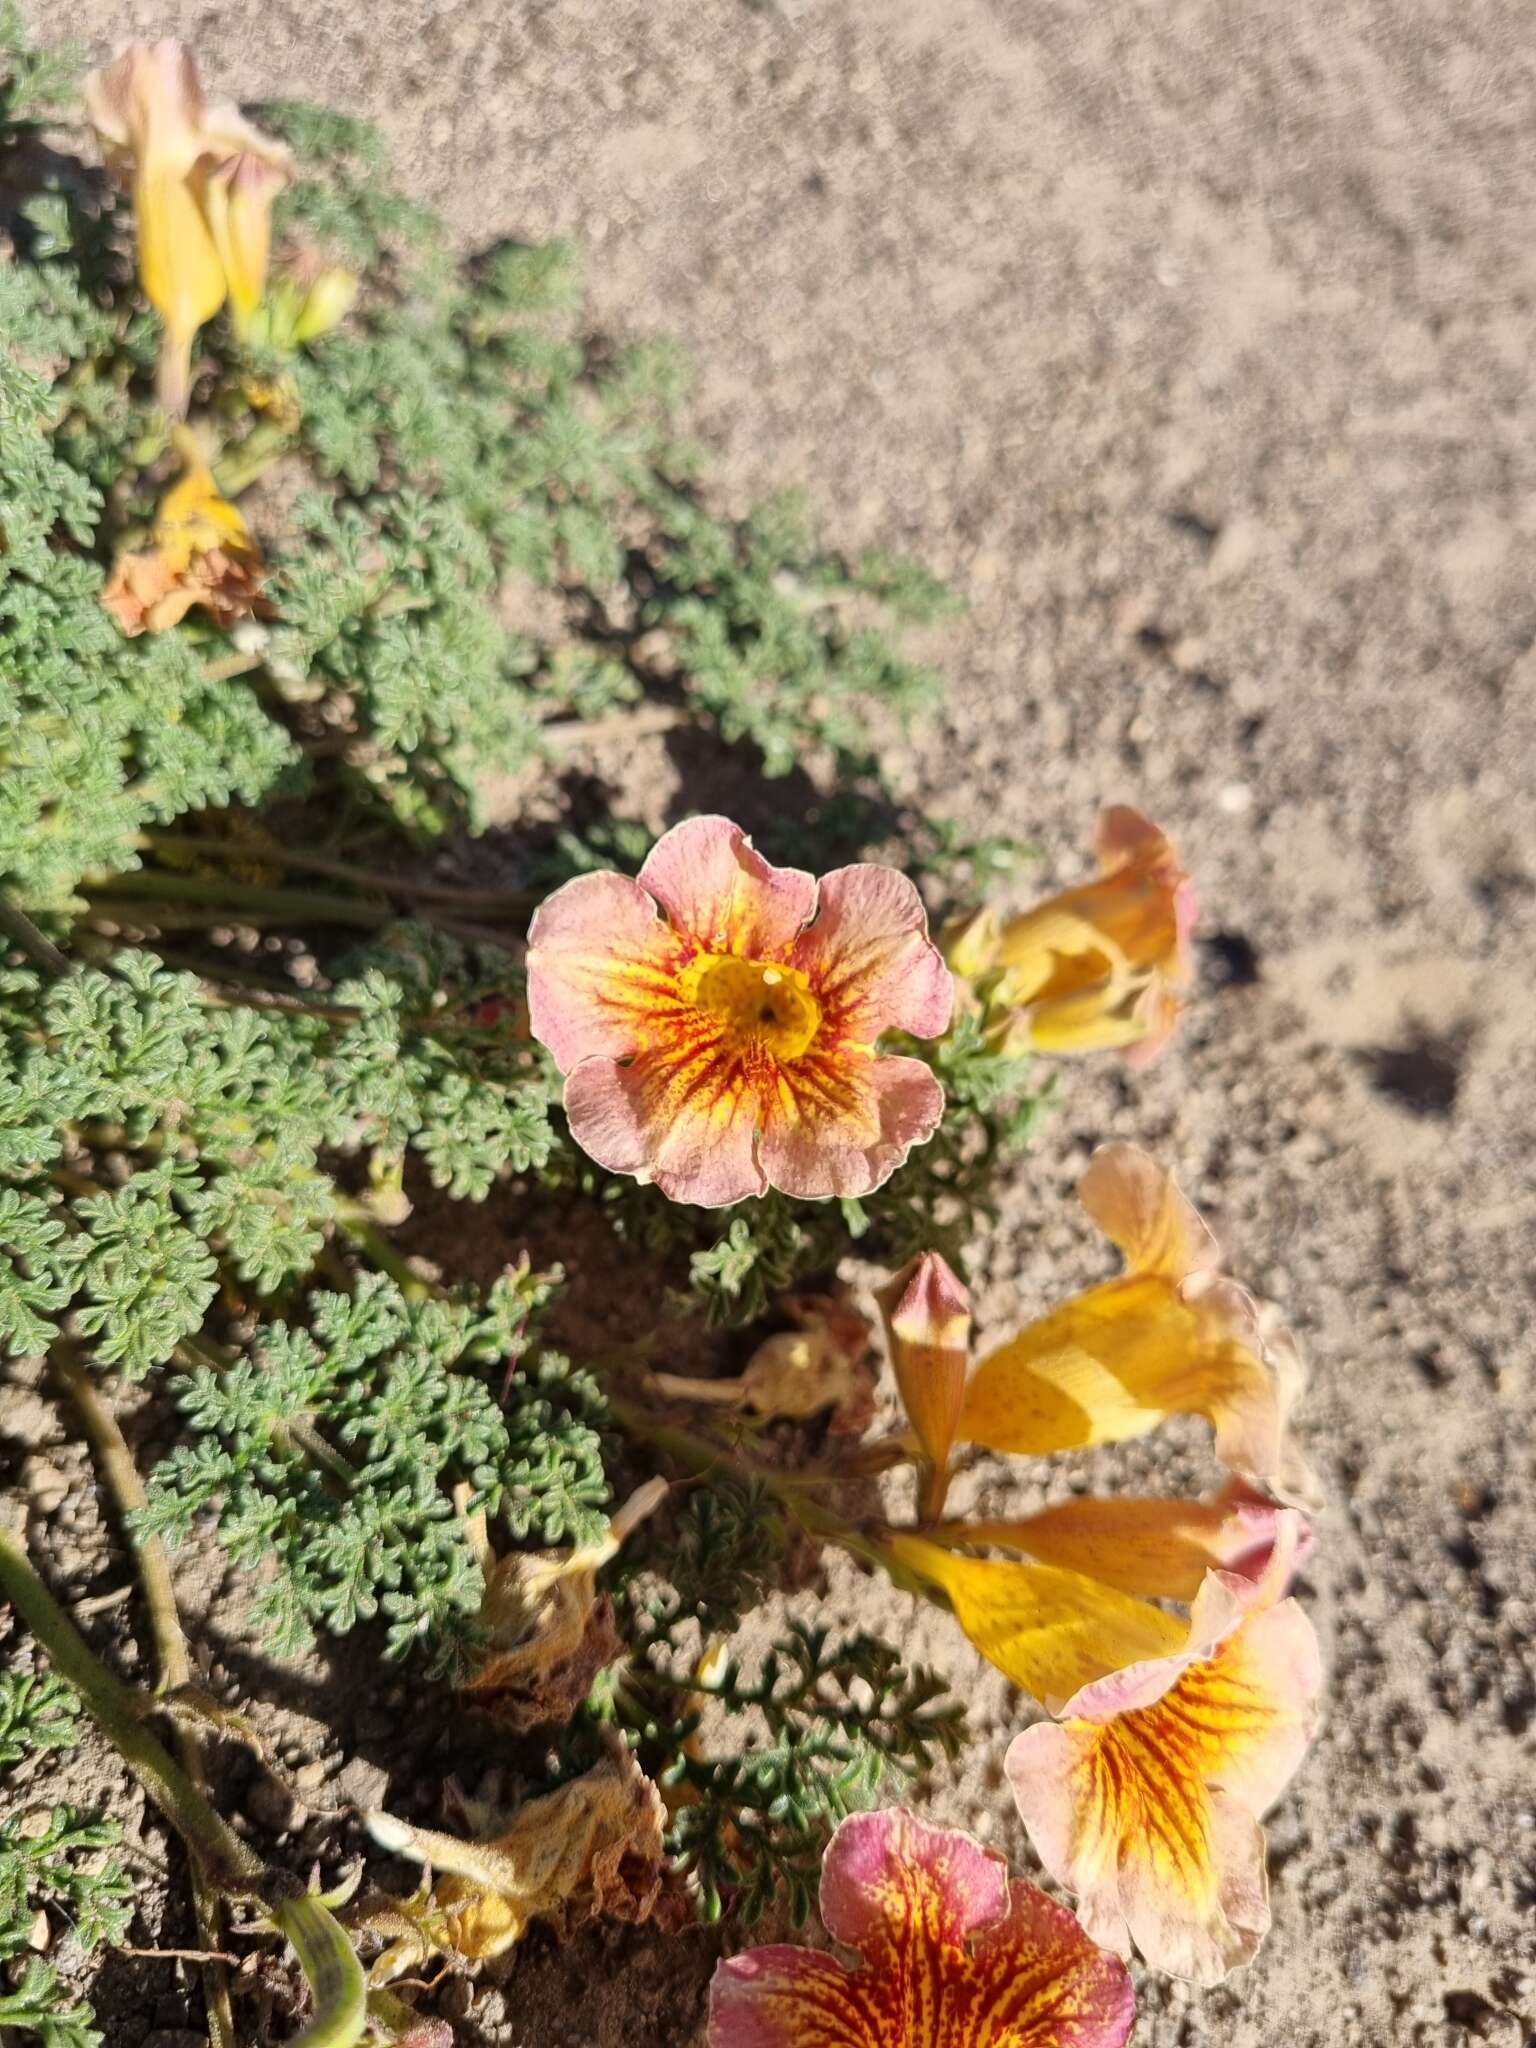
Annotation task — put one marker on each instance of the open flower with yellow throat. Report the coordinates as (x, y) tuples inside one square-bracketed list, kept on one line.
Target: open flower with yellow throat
[(1096, 968), (1145, 1797), (203, 181), (718, 1019), (953, 1954)]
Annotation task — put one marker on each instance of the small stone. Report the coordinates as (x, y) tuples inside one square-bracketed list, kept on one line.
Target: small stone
[(272, 1806), (39, 1934), (45, 1483), (361, 1783), (1234, 798), (310, 1778)]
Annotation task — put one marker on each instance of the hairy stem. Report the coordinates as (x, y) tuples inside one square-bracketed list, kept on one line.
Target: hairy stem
[(230, 1865), (175, 1666)]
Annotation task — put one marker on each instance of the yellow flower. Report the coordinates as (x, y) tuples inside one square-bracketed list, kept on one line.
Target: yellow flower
[(1170, 1336), (202, 554), (1091, 969), (203, 182)]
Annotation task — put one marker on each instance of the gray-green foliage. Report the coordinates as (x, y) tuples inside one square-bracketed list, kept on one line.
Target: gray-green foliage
[(52, 1858), (329, 1456), (225, 1116)]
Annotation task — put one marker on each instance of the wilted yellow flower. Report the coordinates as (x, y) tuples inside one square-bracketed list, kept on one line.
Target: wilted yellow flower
[(202, 554), (203, 182), (548, 1633), (823, 1363), (1091, 969), (590, 1850)]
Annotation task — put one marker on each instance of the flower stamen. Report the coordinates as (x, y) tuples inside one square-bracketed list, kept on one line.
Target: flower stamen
[(762, 1007)]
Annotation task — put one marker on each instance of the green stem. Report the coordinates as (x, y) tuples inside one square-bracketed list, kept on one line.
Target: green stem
[(365, 1233), (127, 1490), (264, 852), (238, 468), (22, 932), (232, 1868), (302, 905), (702, 1455), (231, 666)]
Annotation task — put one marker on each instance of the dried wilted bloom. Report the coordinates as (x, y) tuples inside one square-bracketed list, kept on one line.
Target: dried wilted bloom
[(823, 1363), (717, 1019), (548, 1632), (201, 554), (1146, 1798), (590, 1850), (953, 1954), (203, 182), (1093, 968)]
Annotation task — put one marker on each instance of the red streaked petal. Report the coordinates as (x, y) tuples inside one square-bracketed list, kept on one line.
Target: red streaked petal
[(716, 888), (884, 1870), (602, 971), (953, 1956), (870, 959), (688, 1125), (783, 1997), (841, 1124)]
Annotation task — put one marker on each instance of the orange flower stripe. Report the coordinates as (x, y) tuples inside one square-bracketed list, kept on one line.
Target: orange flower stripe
[(717, 1018)]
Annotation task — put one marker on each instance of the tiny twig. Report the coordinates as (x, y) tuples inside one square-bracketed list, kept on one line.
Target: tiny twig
[(575, 732), (21, 931)]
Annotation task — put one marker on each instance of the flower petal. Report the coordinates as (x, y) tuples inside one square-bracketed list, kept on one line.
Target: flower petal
[(785, 1997), (841, 1125), (870, 959), (602, 972), (886, 1872), (1051, 1632), (720, 892), (1116, 1361), (1157, 1549), (1141, 1209), (688, 1126), (1146, 1800), (928, 1331), (954, 1956)]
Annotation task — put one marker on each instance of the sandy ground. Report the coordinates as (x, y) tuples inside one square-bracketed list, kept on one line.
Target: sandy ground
[(1194, 342)]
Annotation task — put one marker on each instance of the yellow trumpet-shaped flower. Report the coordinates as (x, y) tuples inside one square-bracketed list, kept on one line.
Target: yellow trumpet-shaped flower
[(203, 182), (1092, 969), (1169, 1336), (202, 554)]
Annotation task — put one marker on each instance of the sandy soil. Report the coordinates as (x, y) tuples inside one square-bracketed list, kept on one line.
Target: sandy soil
[(1194, 343)]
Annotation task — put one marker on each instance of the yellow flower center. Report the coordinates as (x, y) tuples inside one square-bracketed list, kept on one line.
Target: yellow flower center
[(760, 1004)]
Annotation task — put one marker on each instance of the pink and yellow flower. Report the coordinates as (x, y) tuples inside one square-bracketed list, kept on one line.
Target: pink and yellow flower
[(1094, 968), (1146, 1798), (717, 1019), (954, 1955)]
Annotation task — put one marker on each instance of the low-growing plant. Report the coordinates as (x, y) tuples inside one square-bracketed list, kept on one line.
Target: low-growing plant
[(323, 545)]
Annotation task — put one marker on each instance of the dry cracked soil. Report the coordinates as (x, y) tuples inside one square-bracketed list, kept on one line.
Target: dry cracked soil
[(1194, 344)]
